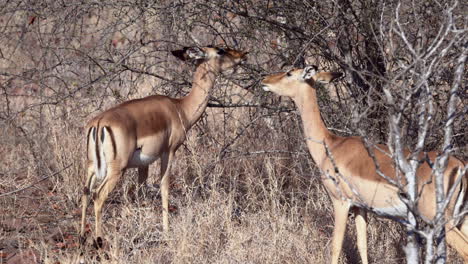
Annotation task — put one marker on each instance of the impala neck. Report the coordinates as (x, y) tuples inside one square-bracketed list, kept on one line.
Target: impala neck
[(194, 104), (315, 130)]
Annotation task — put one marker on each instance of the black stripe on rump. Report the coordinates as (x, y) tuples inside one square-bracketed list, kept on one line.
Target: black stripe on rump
[(102, 135), (98, 157), (111, 134), (87, 140)]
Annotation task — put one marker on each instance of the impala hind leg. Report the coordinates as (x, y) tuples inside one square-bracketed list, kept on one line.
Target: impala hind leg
[(464, 226), (85, 200), (112, 178), (341, 209), (166, 160), (361, 225), (457, 240)]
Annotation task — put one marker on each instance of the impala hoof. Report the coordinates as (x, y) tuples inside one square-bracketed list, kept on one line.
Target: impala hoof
[(98, 243), (82, 240)]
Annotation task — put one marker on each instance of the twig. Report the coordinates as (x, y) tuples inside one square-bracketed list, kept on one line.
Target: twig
[(31, 185), (265, 106)]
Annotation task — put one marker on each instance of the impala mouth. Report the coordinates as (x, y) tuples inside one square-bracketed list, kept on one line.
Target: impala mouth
[(265, 87), (244, 57)]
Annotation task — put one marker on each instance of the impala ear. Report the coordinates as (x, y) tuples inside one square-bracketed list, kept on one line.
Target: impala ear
[(186, 53), (180, 54), (196, 53), (326, 77), (309, 72)]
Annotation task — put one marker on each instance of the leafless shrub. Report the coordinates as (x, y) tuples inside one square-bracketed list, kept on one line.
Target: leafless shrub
[(245, 189)]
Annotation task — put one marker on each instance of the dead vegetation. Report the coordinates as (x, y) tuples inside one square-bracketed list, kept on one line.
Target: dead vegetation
[(243, 188)]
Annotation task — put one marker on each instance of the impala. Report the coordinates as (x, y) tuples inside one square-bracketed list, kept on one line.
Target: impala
[(349, 172), (137, 132)]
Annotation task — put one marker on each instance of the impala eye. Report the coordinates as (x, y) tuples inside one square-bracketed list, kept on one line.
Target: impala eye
[(289, 74), (221, 51)]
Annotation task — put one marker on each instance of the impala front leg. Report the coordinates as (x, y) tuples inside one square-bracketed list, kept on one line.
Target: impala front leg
[(361, 225), (142, 176), (341, 209), (166, 160)]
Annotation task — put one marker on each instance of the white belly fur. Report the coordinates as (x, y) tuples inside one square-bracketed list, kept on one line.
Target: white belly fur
[(139, 159), (399, 210), (390, 206), (396, 209)]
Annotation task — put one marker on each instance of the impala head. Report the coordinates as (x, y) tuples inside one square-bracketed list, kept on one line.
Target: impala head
[(222, 58), (291, 83)]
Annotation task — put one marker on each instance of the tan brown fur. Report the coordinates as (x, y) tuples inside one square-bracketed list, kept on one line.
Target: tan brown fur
[(358, 171), (137, 132)]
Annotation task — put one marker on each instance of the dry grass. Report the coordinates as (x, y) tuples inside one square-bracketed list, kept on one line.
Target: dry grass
[(243, 208), (243, 190)]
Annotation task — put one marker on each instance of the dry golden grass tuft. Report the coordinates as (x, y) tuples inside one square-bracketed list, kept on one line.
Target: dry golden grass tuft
[(243, 190)]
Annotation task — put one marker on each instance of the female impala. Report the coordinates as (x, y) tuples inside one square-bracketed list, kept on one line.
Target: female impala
[(137, 132), (358, 170)]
